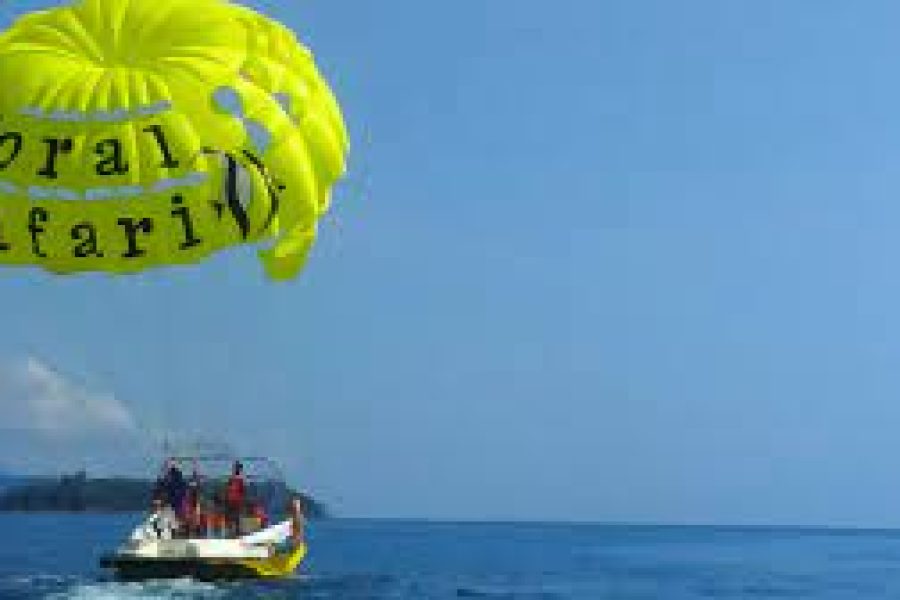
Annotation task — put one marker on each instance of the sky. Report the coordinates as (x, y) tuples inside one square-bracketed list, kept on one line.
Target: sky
[(619, 261)]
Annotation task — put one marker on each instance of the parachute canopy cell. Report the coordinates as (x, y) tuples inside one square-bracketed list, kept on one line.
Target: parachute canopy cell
[(145, 133)]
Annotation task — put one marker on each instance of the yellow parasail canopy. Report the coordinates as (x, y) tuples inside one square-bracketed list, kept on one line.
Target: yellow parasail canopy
[(145, 133)]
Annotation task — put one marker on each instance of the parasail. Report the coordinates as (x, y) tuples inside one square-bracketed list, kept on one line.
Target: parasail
[(145, 133)]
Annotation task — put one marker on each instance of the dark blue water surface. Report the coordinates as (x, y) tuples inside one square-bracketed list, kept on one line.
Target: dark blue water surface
[(56, 557)]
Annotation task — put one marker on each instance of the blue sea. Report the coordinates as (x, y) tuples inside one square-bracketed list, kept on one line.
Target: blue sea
[(56, 557)]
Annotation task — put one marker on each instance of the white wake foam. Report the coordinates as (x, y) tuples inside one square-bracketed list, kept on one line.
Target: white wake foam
[(169, 590)]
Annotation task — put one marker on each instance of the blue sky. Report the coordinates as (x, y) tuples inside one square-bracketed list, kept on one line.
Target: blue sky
[(627, 260)]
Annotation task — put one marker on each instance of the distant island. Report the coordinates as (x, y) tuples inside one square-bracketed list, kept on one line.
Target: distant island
[(78, 493)]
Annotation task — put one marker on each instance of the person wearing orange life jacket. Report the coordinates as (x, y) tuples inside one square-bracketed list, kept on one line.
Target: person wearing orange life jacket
[(216, 520), (258, 513)]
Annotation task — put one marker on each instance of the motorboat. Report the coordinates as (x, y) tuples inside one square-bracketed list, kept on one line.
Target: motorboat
[(207, 541)]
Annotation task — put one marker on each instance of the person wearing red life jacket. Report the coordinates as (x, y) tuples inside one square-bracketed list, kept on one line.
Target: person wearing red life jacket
[(235, 494)]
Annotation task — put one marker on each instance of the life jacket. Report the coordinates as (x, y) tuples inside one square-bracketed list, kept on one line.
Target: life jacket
[(215, 521), (196, 520), (259, 513), (234, 494)]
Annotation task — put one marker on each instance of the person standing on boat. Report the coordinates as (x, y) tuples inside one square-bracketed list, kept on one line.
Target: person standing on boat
[(192, 511), (172, 486), (235, 493)]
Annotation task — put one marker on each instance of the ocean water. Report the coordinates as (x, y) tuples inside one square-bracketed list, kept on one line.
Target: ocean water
[(55, 557)]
